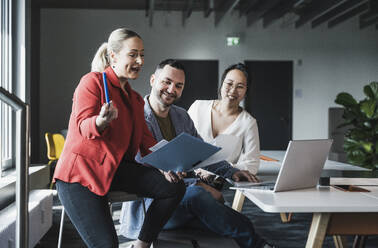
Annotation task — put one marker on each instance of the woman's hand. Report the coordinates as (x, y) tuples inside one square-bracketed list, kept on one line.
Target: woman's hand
[(107, 113), (244, 175)]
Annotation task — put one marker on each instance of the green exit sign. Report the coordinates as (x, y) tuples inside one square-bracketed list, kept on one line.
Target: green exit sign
[(233, 41)]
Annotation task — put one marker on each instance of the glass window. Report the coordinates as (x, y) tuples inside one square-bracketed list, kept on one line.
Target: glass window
[(6, 114)]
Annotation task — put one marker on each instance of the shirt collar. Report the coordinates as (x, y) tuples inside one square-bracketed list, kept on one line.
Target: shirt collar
[(113, 79)]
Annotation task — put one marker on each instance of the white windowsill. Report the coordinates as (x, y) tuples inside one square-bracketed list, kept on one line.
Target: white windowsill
[(11, 175)]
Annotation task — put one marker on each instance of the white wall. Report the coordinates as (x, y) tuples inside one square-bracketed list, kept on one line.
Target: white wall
[(333, 60)]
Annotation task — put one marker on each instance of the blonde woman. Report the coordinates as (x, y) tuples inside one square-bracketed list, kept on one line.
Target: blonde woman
[(102, 141)]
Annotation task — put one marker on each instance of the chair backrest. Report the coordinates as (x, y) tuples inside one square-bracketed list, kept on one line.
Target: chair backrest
[(55, 143)]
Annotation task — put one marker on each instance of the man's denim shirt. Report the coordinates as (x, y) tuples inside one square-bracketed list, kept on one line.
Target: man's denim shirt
[(132, 215)]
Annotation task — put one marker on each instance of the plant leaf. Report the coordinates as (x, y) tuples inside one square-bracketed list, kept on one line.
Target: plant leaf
[(356, 157), (368, 146), (374, 89), (345, 99), (368, 108), (369, 91), (367, 124)]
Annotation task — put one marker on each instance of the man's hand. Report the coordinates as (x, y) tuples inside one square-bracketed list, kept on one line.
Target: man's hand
[(107, 113), (171, 177), (204, 175), (244, 175), (181, 175)]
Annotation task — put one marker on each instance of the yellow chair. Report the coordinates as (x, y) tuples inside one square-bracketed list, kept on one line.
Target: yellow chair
[(54, 143)]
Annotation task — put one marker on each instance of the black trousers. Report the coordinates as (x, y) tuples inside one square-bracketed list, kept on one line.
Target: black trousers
[(90, 213)]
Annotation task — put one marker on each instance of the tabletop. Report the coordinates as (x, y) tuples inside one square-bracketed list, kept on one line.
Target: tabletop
[(314, 200)]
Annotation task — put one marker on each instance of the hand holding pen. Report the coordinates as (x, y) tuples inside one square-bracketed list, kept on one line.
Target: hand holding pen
[(108, 112)]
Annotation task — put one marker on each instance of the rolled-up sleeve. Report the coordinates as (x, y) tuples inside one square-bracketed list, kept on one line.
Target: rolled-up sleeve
[(250, 155)]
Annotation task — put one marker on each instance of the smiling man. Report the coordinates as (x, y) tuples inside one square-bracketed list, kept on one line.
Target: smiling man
[(167, 85), (201, 206)]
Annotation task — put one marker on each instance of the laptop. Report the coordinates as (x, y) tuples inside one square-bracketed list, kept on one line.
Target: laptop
[(301, 167)]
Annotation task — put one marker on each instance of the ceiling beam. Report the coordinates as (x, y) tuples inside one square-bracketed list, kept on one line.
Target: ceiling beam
[(368, 15), (277, 12), (89, 4), (187, 12), (247, 7), (372, 13), (255, 15), (365, 24), (314, 9), (151, 8), (334, 12), (225, 7), (348, 14), (209, 7)]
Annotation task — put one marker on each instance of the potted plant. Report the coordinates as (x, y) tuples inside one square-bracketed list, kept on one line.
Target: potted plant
[(361, 139)]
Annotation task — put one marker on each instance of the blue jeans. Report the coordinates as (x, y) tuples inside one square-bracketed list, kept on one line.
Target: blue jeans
[(90, 213), (199, 206)]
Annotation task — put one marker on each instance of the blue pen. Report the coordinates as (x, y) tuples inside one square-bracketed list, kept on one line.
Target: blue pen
[(105, 87)]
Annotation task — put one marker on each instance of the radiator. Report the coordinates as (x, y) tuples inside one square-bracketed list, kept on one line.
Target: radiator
[(40, 219)]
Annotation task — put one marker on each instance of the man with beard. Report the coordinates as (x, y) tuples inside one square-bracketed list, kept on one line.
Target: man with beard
[(202, 206)]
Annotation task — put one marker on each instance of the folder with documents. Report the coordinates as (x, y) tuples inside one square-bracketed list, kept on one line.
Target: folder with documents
[(180, 154)]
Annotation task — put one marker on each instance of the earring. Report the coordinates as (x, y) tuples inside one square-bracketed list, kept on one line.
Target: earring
[(113, 66)]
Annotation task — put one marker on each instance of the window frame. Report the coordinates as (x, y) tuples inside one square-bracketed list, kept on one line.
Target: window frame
[(7, 116)]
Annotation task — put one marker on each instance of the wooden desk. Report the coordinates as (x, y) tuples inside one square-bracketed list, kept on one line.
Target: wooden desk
[(335, 212)]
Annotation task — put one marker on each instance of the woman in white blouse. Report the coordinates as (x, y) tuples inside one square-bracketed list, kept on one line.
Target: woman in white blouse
[(225, 116)]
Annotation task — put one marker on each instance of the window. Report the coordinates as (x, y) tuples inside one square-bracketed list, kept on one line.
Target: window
[(6, 114)]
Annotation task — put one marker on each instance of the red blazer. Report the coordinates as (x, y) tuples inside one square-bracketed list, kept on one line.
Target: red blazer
[(91, 158)]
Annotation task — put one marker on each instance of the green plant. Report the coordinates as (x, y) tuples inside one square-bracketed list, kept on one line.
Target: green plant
[(361, 139)]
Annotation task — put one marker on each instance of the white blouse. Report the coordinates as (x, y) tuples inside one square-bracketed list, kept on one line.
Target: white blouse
[(246, 155)]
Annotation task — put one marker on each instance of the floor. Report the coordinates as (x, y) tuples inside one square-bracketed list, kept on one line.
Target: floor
[(269, 226)]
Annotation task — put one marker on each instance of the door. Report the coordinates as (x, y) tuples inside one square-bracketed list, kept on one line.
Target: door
[(269, 99), (201, 81)]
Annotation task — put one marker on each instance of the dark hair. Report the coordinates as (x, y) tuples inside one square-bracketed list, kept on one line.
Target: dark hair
[(239, 66), (171, 62)]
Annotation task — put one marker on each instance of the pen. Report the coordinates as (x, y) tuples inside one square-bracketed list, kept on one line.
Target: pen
[(105, 87)]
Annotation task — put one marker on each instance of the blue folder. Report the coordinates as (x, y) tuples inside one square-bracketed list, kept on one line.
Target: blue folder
[(180, 154)]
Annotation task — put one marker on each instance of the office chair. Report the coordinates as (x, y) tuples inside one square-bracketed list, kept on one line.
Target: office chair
[(54, 143)]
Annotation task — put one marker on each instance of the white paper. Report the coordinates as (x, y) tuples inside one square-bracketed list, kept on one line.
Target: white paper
[(227, 143)]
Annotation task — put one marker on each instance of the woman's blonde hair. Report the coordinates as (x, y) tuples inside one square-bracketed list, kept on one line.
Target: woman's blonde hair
[(101, 59)]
